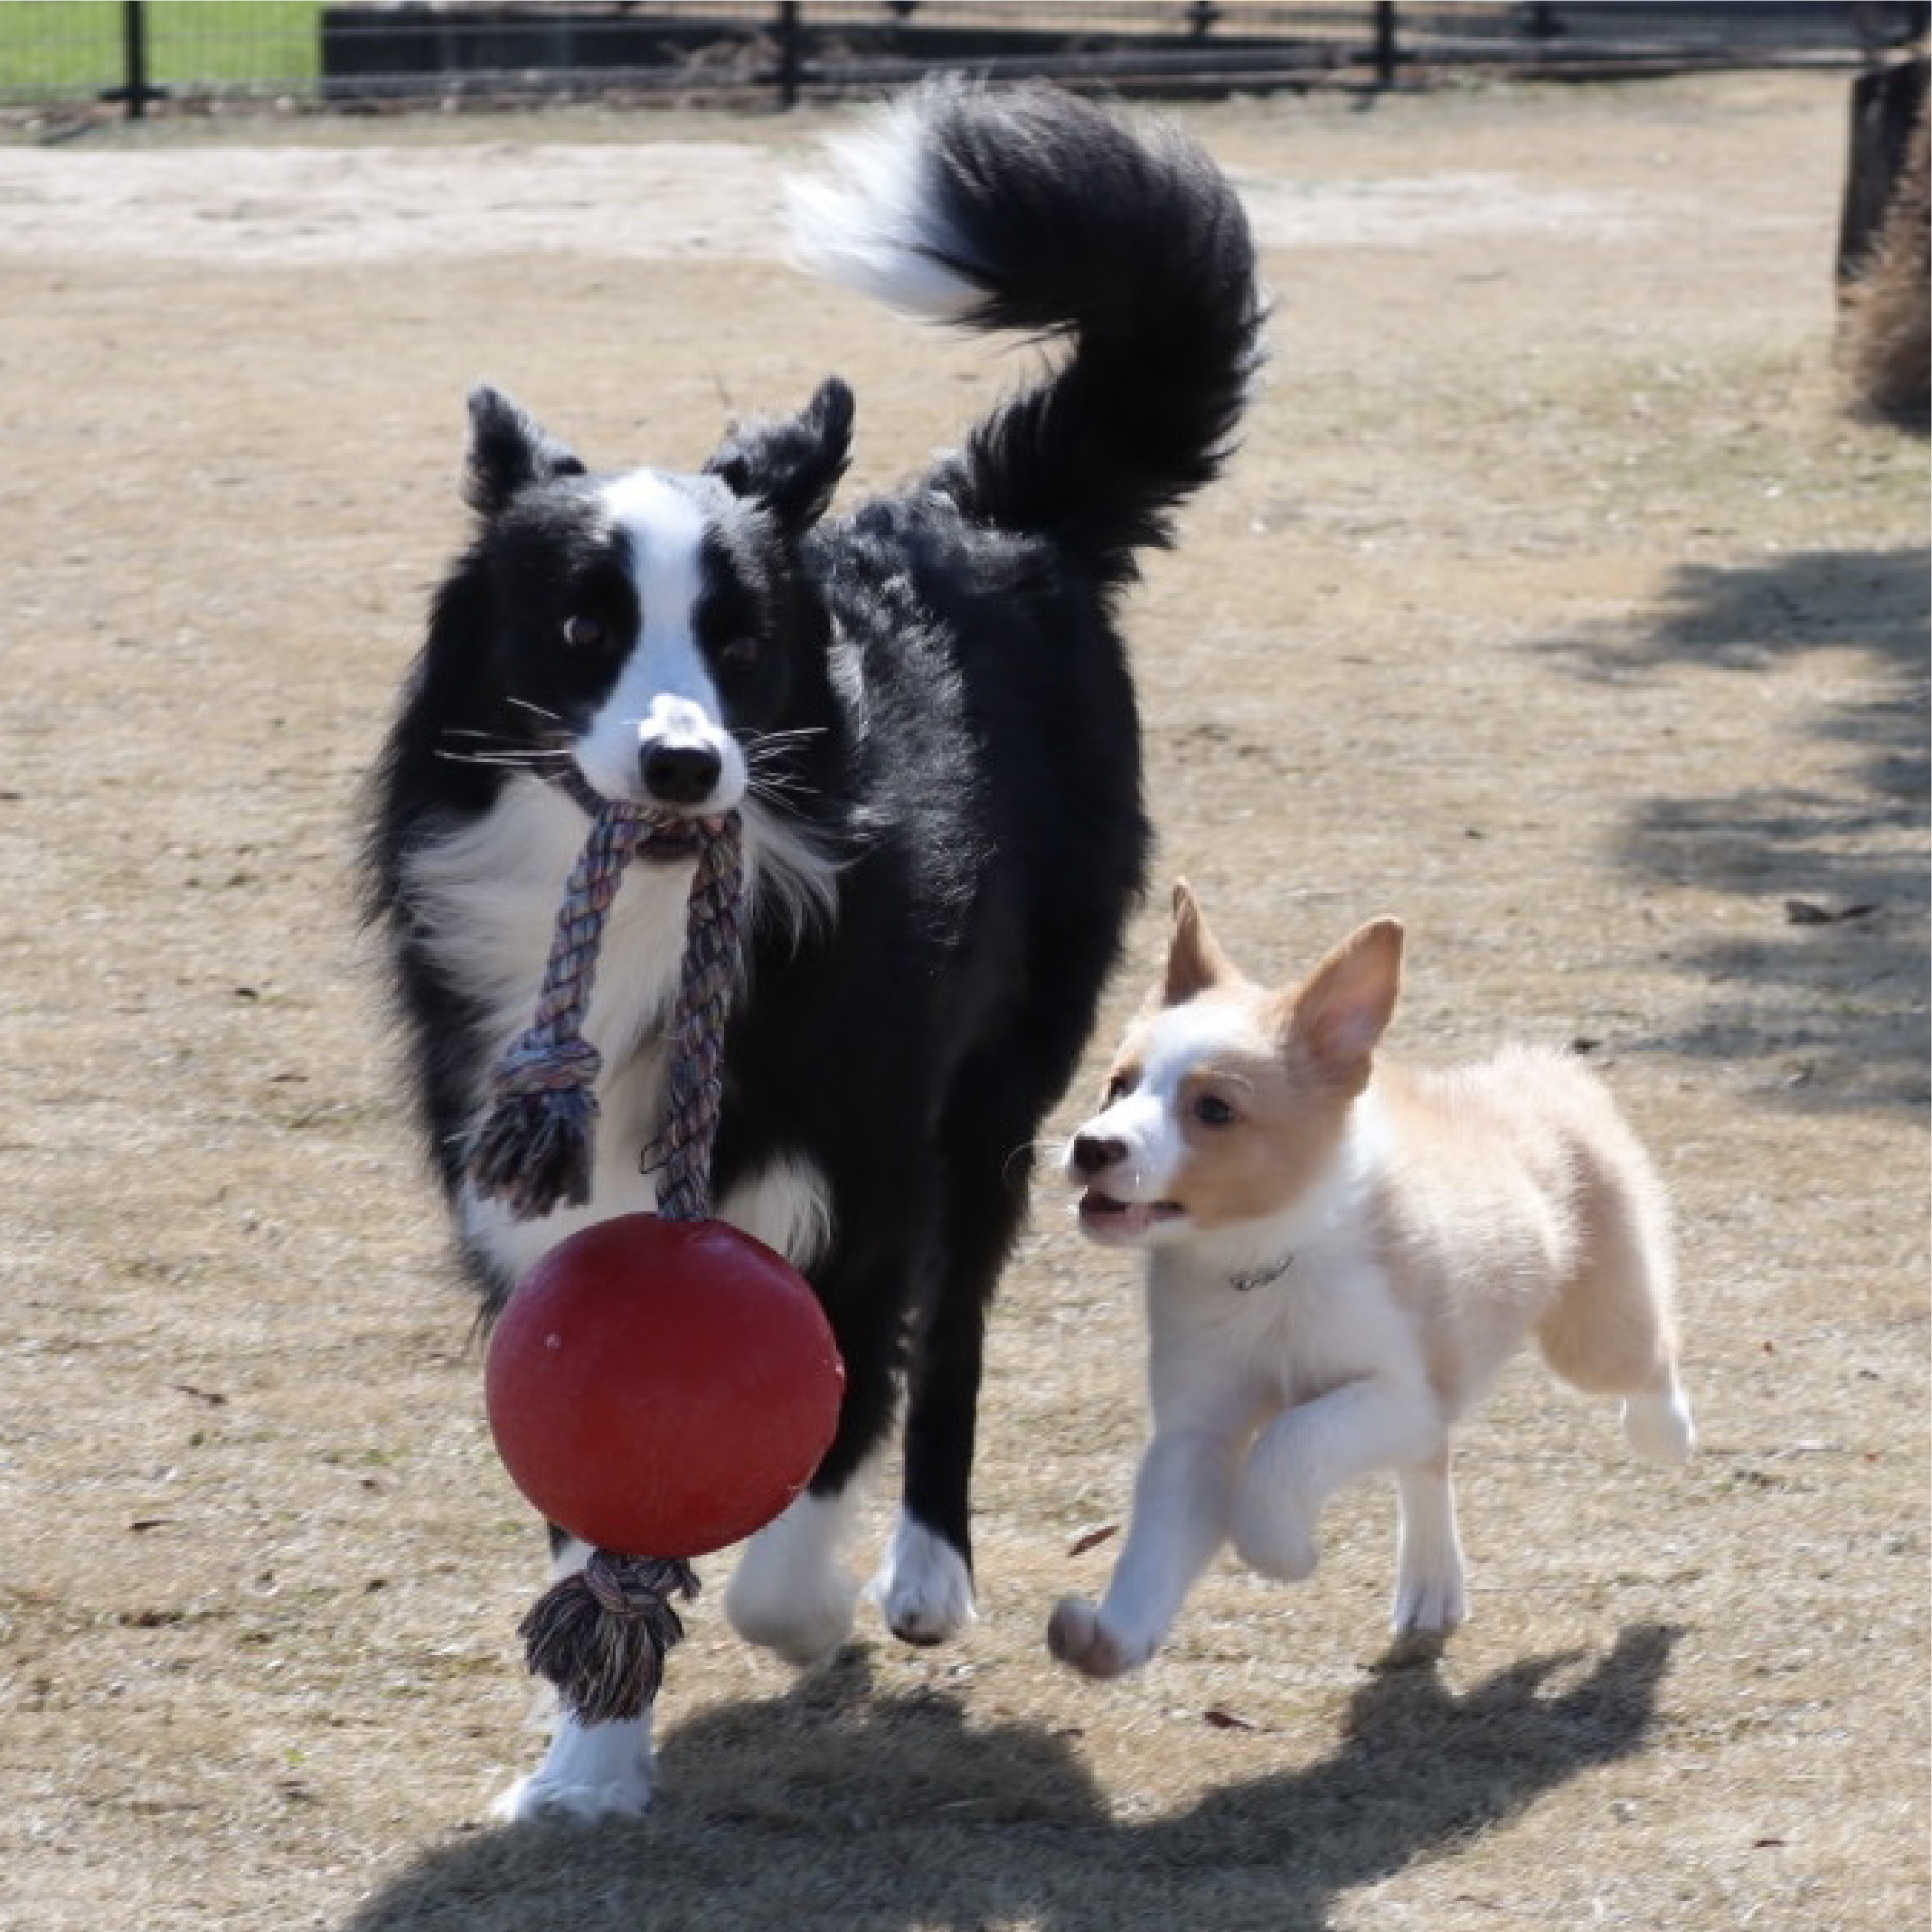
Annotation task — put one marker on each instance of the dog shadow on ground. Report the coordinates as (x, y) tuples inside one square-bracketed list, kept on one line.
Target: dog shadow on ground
[(841, 1806), (1822, 980)]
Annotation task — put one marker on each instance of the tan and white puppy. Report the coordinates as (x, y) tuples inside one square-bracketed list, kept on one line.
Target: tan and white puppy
[(1341, 1255)]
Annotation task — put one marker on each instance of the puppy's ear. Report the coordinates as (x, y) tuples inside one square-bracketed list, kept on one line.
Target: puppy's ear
[(1339, 1015), (509, 452), (791, 468), (1195, 960)]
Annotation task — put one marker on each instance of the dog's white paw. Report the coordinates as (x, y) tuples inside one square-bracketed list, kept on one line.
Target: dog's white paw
[(1659, 1428), (788, 1593), (923, 1589), (1272, 1534), (537, 1800), (1433, 1605), (1081, 1639), (591, 1772), (802, 1618)]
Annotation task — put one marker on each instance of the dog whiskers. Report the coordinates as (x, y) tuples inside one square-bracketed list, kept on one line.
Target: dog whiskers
[(1028, 1150), (535, 710), (528, 759)]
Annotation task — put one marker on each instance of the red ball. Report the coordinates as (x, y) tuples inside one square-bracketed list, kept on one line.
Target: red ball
[(662, 1388)]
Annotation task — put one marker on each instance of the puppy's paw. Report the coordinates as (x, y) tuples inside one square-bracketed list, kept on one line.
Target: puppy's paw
[(1272, 1535), (923, 1589), (1659, 1428), (1078, 1636), (1434, 1605)]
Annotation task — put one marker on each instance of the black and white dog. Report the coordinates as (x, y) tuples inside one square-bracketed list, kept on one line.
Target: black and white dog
[(921, 710)]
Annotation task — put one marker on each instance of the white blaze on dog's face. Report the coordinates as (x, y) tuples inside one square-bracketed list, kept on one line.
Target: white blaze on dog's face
[(660, 736), (1226, 1102)]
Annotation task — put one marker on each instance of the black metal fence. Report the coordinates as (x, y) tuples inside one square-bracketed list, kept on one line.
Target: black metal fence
[(135, 55)]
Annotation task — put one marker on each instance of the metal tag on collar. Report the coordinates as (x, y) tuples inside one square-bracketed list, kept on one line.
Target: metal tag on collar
[(1261, 1277)]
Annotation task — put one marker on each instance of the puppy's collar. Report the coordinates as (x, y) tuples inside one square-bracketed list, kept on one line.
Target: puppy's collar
[(1261, 1277)]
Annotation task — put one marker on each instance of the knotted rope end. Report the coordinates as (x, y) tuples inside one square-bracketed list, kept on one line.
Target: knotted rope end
[(600, 1636), (533, 1150)]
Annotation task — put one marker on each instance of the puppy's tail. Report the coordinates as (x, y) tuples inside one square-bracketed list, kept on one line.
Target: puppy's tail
[(1029, 209)]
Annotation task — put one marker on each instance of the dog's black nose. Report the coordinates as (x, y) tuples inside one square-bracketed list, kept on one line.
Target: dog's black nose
[(1090, 1153), (680, 771)]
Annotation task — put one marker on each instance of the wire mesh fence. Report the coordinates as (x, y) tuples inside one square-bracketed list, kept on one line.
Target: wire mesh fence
[(140, 55)]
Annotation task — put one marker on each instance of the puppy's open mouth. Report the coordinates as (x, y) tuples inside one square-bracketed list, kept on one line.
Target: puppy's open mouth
[(1105, 1219)]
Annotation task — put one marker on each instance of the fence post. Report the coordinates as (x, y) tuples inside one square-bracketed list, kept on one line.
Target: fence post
[(790, 55), (1385, 47), (134, 89)]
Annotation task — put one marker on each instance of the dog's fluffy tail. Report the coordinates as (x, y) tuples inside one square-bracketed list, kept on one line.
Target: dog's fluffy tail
[(1029, 209)]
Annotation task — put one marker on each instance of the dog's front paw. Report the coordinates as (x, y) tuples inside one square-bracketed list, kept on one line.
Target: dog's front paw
[(802, 1618), (1274, 1535), (1078, 1635), (789, 1593), (923, 1589), (1434, 1605), (539, 1800), (591, 1772), (1658, 1426)]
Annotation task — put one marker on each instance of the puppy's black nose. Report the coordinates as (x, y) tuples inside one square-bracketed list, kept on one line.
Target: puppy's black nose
[(1090, 1153), (680, 771)]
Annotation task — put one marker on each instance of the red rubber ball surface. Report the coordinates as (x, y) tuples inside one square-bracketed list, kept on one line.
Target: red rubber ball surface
[(662, 1388)]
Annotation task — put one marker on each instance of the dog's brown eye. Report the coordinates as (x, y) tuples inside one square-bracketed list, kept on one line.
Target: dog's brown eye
[(1211, 1111), (582, 633), (1119, 1087)]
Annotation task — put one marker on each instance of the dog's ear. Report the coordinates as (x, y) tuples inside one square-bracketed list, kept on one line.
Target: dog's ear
[(1339, 1015), (509, 452), (791, 468), (1195, 960)]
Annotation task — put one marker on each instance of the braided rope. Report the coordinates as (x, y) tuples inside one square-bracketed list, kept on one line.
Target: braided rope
[(533, 1150), (695, 1090)]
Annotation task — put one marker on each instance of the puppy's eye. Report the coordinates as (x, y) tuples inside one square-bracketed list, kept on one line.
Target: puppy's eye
[(584, 633), (738, 654), (1211, 1111), (1119, 1087)]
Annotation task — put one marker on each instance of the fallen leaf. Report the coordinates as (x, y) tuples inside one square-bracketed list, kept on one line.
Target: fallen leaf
[(1091, 1538), (1808, 912), (1226, 1720)]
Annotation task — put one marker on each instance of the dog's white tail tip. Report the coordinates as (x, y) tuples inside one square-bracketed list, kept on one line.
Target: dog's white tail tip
[(867, 221)]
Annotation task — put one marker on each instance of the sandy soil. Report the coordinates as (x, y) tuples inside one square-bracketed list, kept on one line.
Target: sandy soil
[(1553, 604)]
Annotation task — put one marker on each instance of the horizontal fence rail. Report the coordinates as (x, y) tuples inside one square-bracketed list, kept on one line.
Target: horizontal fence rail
[(135, 55)]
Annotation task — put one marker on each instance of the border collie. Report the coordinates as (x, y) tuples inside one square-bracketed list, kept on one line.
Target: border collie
[(1340, 1256), (923, 711)]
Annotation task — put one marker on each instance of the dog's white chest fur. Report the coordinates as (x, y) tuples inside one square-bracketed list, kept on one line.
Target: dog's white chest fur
[(1276, 1312), (489, 895)]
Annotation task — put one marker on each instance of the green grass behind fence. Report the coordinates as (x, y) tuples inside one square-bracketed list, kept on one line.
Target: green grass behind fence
[(51, 48)]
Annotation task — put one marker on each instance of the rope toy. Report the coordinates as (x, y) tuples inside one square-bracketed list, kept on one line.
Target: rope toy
[(600, 1636), (534, 1149)]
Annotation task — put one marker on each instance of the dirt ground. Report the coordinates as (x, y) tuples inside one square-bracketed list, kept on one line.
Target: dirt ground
[(1553, 604)]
